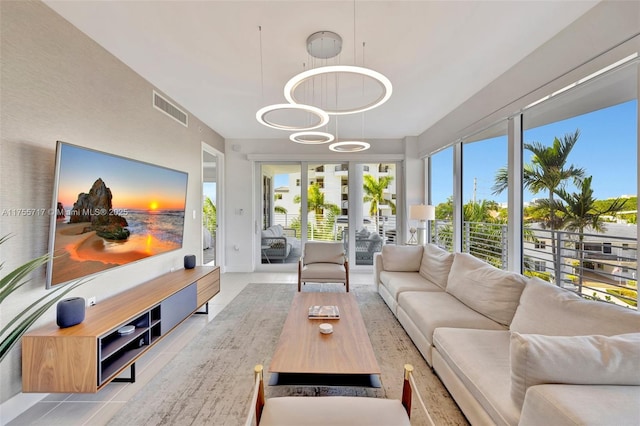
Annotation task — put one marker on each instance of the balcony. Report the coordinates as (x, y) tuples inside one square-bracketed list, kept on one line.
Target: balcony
[(595, 266)]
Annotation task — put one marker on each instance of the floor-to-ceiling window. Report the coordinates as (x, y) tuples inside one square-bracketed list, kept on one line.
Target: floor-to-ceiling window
[(441, 196), (484, 195), (580, 181)]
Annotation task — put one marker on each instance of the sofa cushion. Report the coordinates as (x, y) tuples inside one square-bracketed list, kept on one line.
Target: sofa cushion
[(480, 359), (397, 282), (324, 272), (401, 258), (579, 360), (571, 405), (436, 264), (491, 291), (547, 309), (333, 410), (432, 309)]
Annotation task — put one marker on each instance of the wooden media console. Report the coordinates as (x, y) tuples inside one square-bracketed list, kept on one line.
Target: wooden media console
[(85, 357)]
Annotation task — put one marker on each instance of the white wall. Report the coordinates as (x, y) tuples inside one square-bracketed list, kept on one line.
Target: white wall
[(57, 84)]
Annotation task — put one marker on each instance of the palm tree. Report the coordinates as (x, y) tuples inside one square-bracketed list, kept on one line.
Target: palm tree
[(317, 204), (579, 212), (315, 200), (549, 172), (374, 193), (209, 214)]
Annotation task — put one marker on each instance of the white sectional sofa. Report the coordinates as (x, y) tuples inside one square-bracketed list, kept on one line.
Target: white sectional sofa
[(513, 350)]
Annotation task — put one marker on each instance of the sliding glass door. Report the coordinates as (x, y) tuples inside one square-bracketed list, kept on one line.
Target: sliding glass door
[(322, 201), (280, 233)]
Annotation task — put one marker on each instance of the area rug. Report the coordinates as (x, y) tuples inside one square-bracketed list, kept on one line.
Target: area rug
[(211, 380)]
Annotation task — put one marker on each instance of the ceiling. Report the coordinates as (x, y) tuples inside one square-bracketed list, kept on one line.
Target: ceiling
[(223, 60)]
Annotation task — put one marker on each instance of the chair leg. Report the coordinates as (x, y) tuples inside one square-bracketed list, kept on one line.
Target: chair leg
[(347, 276)]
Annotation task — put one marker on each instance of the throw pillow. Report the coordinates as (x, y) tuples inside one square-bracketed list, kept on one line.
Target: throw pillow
[(578, 360), (269, 232), (277, 245), (488, 290), (375, 242), (436, 265), (401, 258), (548, 309), (362, 233)]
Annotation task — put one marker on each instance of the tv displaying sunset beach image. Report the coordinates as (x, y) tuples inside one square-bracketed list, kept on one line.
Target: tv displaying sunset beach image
[(109, 211)]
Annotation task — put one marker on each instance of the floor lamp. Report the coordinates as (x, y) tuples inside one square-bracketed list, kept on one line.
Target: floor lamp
[(422, 213)]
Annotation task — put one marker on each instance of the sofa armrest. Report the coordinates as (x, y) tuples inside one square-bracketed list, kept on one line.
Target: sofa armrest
[(564, 405)]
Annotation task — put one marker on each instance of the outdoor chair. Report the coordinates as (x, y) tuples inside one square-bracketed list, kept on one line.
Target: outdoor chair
[(323, 262)]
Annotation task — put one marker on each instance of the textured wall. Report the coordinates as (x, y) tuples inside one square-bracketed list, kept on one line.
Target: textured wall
[(57, 84)]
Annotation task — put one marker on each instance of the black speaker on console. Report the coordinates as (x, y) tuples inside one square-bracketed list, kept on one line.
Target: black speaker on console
[(190, 261), (70, 312)]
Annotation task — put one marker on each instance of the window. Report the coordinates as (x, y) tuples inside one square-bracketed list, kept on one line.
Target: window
[(484, 195), (441, 196), (540, 245), (589, 134)]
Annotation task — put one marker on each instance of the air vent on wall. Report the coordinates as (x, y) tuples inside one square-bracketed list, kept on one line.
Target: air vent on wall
[(170, 109)]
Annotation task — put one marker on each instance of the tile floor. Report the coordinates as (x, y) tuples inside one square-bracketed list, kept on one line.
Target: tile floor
[(97, 409)]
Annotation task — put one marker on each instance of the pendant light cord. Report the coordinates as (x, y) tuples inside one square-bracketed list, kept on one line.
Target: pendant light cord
[(261, 67)]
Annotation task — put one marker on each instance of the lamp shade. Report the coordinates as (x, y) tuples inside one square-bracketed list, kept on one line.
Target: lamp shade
[(422, 212)]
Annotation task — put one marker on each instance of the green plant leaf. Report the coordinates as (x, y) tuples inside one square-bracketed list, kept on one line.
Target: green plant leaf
[(12, 333)]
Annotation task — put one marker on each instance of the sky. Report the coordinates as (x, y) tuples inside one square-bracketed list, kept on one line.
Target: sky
[(133, 184), (606, 149)]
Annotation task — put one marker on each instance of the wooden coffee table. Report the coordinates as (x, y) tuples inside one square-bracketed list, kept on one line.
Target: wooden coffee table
[(304, 356)]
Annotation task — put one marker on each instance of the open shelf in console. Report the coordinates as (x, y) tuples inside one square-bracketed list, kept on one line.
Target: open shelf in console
[(116, 350)]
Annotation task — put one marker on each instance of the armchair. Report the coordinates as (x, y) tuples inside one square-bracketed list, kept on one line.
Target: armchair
[(323, 262), (333, 410)]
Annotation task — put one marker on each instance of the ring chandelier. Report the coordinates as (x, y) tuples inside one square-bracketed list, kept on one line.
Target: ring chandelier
[(324, 45), (312, 138), (383, 82), (349, 146), (261, 116)]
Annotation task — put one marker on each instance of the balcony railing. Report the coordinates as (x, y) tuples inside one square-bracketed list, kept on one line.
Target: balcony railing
[(596, 266)]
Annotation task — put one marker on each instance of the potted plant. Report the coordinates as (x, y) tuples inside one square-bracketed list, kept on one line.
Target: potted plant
[(17, 326)]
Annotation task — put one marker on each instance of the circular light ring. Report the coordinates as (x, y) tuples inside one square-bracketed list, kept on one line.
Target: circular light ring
[(349, 146), (323, 117), (320, 138), (383, 81)]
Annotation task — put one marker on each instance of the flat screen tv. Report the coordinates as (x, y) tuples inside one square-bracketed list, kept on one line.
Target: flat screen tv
[(110, 211)]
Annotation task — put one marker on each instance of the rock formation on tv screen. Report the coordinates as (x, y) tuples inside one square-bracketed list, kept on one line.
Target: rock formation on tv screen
[(96, 207)]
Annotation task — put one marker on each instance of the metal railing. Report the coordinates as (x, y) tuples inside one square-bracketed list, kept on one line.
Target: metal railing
[(596, 266)]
